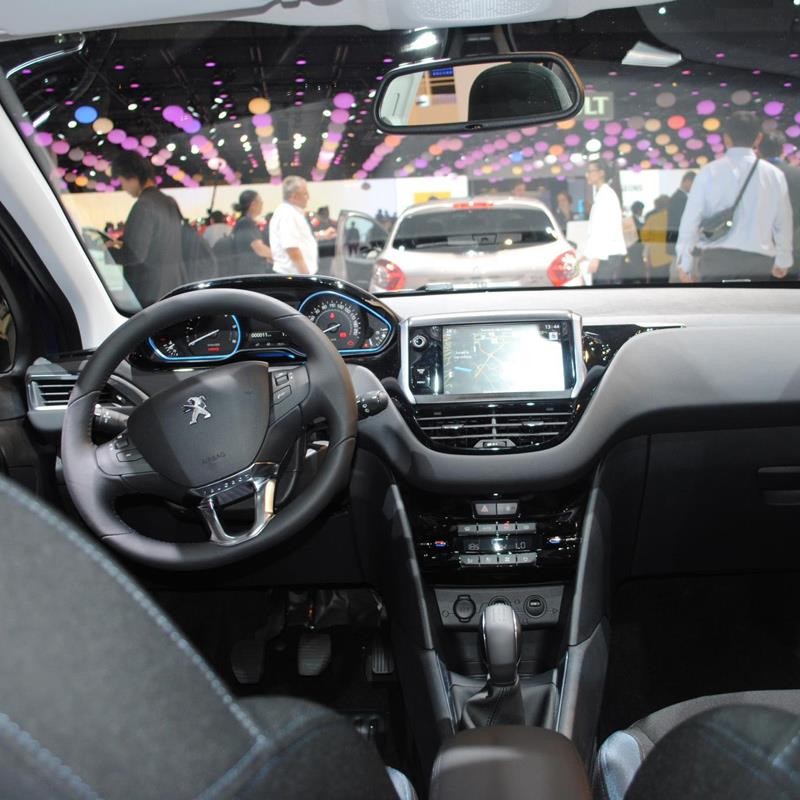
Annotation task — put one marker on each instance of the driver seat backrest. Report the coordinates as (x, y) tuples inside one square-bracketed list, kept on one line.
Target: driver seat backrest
[(101, 696)]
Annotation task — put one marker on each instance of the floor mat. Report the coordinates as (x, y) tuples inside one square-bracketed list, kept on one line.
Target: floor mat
[(673, 639)]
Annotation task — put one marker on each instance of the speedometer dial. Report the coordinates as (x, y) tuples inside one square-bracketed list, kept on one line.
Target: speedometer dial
[(216, 336), (339, 319)]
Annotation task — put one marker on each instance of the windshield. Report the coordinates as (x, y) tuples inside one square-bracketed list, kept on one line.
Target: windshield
[(185, 152)]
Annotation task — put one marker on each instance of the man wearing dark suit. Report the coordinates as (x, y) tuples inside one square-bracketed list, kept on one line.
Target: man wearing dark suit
[(675, 209)]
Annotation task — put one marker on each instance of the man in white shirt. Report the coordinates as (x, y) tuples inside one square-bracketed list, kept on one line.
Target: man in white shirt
[(294, 245), (605, 241), (759, 243)]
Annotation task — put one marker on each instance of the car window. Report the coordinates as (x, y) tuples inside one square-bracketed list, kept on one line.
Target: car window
[(496, 227), (153, 136)]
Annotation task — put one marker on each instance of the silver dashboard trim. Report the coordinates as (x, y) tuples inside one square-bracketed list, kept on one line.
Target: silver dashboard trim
[(473, 318)]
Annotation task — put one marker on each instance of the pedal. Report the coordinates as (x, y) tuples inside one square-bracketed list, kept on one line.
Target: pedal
[(313, 653), (380, 661), (247, 660)]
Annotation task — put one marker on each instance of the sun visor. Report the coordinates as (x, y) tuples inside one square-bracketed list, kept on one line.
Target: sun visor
[(43, 17)]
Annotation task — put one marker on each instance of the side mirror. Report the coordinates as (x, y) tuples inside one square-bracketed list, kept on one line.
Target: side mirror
[(474, 94)]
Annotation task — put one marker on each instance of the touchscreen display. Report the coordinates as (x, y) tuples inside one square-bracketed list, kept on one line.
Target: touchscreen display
[(504, 358)]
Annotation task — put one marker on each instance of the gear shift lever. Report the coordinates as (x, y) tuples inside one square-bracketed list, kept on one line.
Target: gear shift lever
[(502, 639), (500, 700)]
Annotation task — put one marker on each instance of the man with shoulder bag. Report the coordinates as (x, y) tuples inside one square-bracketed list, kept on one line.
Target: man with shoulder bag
[(737, 225)]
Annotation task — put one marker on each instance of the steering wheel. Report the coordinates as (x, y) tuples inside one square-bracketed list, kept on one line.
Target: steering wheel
[(211, 439)]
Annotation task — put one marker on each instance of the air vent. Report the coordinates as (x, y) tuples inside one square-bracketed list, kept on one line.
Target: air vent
[(491, 428), (53, 393)]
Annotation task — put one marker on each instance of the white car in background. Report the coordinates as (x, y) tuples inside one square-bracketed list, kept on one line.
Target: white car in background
[(474, 243)]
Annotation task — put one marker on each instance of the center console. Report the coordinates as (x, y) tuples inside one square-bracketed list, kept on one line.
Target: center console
[(498, 382)]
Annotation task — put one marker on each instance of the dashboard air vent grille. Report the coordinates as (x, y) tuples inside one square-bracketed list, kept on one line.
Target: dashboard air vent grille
[(501, 427), (55, 392)]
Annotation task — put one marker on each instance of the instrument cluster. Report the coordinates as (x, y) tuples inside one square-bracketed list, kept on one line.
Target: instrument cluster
[(353, 327)]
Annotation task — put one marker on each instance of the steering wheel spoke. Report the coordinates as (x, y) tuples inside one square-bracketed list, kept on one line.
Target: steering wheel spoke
[(259, 482)]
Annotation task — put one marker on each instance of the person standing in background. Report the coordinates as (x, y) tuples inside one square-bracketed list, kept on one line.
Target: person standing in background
[(655, 235), (150, 251), (675, 209), (772, 150), (605, 243), (217, 228), (563, 212), (758, 242), (294, 245), (253, 257)]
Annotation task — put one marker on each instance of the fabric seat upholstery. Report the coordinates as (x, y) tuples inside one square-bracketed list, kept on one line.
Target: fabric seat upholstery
[(101, 696), (622, 754)]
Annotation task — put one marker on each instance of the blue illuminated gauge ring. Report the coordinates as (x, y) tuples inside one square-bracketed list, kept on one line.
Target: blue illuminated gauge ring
[(366, 308), (222, 357)]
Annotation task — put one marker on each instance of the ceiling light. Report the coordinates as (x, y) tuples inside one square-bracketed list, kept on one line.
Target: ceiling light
[(424, 41), (132, 106), (171, 146), (645, 55), (72, 124), (222, 114)]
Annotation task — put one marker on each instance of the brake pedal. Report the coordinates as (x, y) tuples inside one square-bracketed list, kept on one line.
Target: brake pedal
[(247, 660), (380, 661), (313, 653)]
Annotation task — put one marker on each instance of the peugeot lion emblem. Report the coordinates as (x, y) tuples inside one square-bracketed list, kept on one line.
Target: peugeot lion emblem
[(197, 406)]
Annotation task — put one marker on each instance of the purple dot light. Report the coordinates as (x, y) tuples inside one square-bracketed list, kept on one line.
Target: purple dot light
[(610, 141), (570, 140), (69, 102), (130, 143), (629, 134), (793, 131), (191, 125), (116, 136), (774, 108), (541, 147), (28, 71), (706, 107), (216, 83), (591, 124), (211, 64), (43, 139), (694, 144), (643, 144), (135, 86), (301, 62), (173, 114), (720, 55), (685, 133), (340, 116), (301, 93), (300, 79), (343, 100), (146, 99), (61, 148), (119, 67)]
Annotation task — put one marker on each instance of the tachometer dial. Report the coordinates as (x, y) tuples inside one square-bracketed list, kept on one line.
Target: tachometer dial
[(339, 319), (212, 337)]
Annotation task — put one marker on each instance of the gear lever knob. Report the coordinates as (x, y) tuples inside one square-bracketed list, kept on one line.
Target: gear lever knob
[(502, 641)]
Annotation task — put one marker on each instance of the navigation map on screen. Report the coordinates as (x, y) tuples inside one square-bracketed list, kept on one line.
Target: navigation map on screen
[(500, 359)]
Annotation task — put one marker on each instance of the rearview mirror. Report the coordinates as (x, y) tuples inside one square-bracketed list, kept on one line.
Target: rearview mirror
[(475, 94)]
